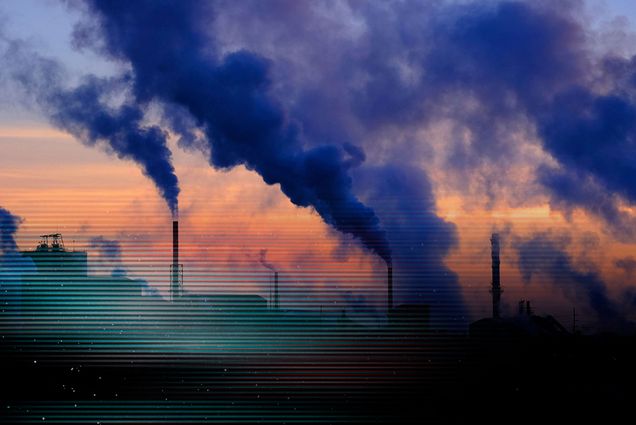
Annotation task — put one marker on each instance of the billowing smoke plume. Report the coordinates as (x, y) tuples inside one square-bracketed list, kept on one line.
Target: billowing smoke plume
[(420, 240), (514, 84), (545, 256), (500, 78), (88, 113), (529, 67), (13, 266), (627, 264), (174, 62), (593, 136), (8, 226), (109, 254)]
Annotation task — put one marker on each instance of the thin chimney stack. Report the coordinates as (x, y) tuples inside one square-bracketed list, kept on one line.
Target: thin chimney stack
[(176, 270), (276, 299), (389, 278), (496, 283)]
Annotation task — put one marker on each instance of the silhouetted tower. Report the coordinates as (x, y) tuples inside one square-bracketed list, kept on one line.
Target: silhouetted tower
[(389, 282), (496, 283), (176, 269), (276, 299)]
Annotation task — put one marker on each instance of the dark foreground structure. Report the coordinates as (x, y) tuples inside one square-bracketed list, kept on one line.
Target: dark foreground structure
[(301, 372), (93, 349)]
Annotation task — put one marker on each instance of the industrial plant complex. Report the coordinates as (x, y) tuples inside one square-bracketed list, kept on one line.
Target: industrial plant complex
[(59, 291)]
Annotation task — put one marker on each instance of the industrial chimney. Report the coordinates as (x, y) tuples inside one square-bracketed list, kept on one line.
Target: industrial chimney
[(496, 284), (389, 282), (176, 269), (276, 299)]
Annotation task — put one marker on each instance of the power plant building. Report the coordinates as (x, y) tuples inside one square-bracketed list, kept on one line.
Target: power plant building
[(51, 258)]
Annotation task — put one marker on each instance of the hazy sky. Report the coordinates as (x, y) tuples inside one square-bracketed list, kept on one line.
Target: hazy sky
[(463, 133)]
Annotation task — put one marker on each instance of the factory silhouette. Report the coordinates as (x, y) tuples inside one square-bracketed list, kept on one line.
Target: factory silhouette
[(132, 344), (61, 283), (525, 323), (60, 293)]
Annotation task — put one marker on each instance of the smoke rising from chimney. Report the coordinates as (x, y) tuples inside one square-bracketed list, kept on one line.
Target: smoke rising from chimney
[(90, 113), (229, 100), (262, 259), (8, 226)]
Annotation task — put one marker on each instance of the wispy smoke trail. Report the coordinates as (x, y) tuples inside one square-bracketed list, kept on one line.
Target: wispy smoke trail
[(13, 266), (627, 264), (88, 113), (541, 254), (109, 251), (262, 258)]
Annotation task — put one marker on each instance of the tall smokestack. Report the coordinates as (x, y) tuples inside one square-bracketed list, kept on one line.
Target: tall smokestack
[(276, 299), (389, 281), (176, 269), (496, 284)]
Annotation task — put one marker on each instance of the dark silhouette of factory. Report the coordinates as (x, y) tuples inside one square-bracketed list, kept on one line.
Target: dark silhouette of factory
[(52, 296), (60, 284), (158, 347), (525, 323), (60, 290)]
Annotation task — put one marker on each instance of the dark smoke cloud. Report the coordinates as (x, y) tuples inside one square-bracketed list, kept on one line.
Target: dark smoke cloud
[(594, 139), (545, 255), (570, 189), (627, 264), (89, 114), (528, 62), (8, 226), (503, 75), (84, 113), (13, 266), (107, 248), (109, 253), (529, 67), (262, 258), (360, 306), (421, 240), (174, 61)]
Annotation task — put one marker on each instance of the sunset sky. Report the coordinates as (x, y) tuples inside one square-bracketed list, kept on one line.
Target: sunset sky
[(452, 119)]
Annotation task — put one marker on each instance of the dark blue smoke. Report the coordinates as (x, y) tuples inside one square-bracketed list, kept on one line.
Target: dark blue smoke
[(87, 113), (528, 63), (592, 137), (13, 266), (542, 255), (420, 240), (8, 226), (627, 264), (84, 113), (229, 100)]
